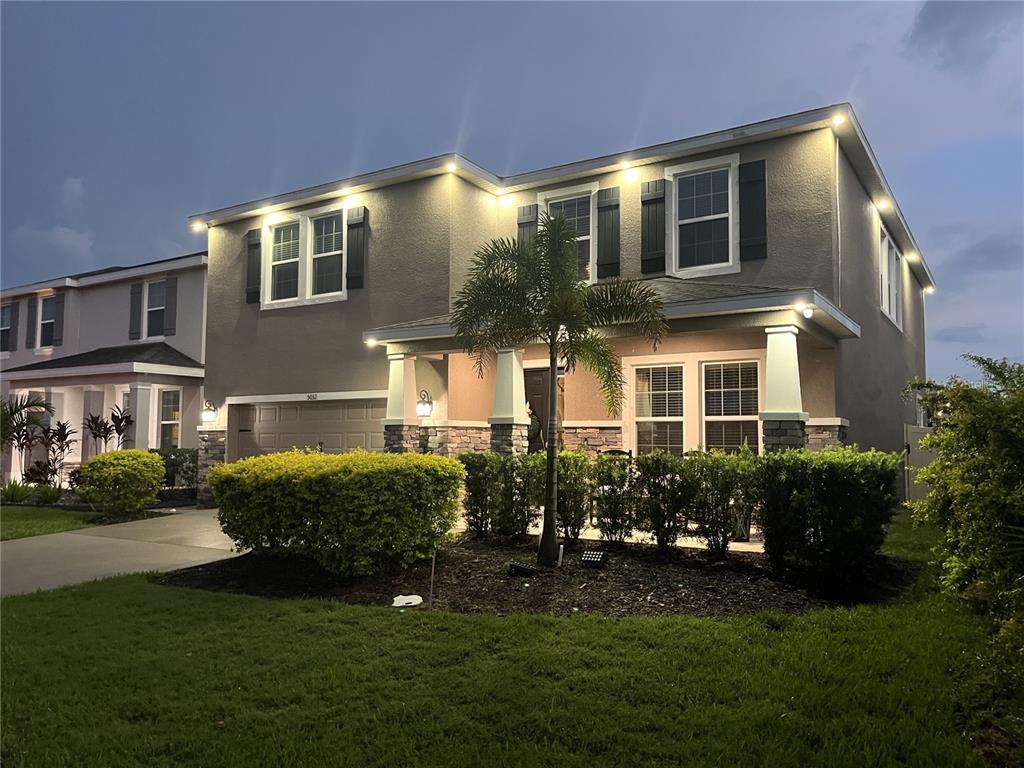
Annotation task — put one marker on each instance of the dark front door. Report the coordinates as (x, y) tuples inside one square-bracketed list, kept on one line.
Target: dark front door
[(537, 397)]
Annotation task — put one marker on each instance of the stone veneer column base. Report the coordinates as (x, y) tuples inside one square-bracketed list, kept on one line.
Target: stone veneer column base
[(592, 439), (509, 438), (783, 434), (401, 438), (212, 445), (434, 440), (825, 436), (464, 439)]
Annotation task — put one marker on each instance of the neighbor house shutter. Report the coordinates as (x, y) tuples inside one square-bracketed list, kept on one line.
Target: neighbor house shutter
[(526, 222), (170, 305), (253, 263), (652, 227), (753, 212), (58, 319), (355, 270), (13, 335), (135, 312), (608, 232), (30, 327)]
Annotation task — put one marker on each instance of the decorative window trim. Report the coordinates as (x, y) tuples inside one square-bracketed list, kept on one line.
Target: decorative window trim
[(157, 420), (638, 419), (305, 221), (6, 353), (894, 312), (760, 363), (44, 349), (568, 193), (145, 337), (672, 173)]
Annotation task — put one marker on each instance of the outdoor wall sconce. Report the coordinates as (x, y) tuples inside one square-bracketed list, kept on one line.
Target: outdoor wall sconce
[(425, 406), (209, 412)]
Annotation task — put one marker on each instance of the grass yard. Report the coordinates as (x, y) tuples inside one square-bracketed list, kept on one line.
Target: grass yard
[(19, 522), (126, 672)]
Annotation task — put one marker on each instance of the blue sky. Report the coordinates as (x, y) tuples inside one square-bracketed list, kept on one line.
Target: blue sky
[(119, 120)]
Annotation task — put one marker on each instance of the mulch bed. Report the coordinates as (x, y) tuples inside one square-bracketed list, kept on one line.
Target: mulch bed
[(472, 577)]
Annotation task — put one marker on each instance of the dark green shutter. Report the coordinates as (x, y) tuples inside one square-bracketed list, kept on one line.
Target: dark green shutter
[(652, 227), (170, 305), (135, 312), (355, 270), (753, 212), (608, 232), (13, 335), (58, 319), (30, 328), (253, 264), (526, 222)]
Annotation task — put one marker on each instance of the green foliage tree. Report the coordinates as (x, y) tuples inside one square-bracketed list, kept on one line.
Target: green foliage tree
[(527, 292), (22, 419)]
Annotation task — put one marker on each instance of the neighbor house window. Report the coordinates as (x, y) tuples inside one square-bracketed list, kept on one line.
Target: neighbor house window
[(284, 271), (47, 320), (577, 213), (730, 406), (170, 418), (658, 408), (156, 301), (5, 327), (890, 278), (328, 245)]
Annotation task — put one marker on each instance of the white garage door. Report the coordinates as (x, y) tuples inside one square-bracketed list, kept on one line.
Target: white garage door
[(337, 426)]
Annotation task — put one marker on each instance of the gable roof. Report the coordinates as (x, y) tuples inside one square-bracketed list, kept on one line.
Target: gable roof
[(152, 353)]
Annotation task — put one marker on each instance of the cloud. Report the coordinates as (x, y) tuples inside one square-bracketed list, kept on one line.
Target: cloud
[(961, 334), (71, 194), (960, 35), (67, 246), (998, 252)]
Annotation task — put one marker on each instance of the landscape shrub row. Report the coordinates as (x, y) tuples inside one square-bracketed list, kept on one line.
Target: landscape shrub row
[(825, 510), (354, 513), (121, 483)]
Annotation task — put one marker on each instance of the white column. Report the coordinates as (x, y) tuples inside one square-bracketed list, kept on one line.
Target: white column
[(402, 395), (782, 399), (509, 389), (140, 397)]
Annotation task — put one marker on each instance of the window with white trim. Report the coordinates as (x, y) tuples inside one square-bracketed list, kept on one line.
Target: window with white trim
[(576, 211), (328, 253), (284, 258), (703, 216), (156, 301), (730, 406), (170, 418), (890, 278), (6, 316), (47, 320), (658, 408)]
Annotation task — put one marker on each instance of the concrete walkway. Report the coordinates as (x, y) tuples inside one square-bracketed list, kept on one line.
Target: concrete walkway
[(164, 543)]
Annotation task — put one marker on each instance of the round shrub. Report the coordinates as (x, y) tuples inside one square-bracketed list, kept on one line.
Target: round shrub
[(121, 483), (354, 513)]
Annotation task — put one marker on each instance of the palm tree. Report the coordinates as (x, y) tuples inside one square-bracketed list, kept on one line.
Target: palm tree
[(22, 421), (520, 293)]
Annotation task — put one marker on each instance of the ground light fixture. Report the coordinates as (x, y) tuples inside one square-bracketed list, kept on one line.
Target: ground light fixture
[(425, 406), (594, 558), (209, 412)]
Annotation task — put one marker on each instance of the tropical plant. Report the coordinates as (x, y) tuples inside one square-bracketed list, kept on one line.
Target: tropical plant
[(522, 292), (121, 420), (100, 430), (15, 492), (22, 418), (58, 441)]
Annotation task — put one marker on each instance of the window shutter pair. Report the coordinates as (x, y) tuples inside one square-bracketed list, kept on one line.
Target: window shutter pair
[(526, 223), (15, 308), (33, 317), (170, 308)]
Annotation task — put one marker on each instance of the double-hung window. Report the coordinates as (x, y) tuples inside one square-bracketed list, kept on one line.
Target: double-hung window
[(890, 278), (6, 318), (730, 406), (170, 418), (47, 320), (328, 251), (576, 211), (704, 219), (284, 257), (156, 301), (658, 408)]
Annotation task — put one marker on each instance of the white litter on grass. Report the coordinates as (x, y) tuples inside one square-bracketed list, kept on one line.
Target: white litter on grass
[(406, 601)]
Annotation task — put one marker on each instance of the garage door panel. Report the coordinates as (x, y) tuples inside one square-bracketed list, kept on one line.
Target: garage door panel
[(339, 426)]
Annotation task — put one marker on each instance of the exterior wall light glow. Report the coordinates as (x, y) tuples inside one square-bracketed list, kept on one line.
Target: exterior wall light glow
[(930, 289), (883, 205), (808, 312), (624, 165), (506, 200), (451, 167), (800, 306), (209, 412), (425, 406), (346, 191), (371, 342), (198, 226), (838, 119), (632, 174), (500, 191), (911, 256)]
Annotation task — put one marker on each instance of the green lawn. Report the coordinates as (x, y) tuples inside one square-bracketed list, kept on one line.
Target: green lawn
[(125, 672), (19, 522)]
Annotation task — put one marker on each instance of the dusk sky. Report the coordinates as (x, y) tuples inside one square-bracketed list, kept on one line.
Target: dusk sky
[(120, 120)]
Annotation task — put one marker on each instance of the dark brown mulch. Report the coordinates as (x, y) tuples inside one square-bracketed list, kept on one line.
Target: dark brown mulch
[(472, 577)]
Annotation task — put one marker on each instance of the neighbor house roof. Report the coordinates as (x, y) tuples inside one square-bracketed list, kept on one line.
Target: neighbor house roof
[(848, 132), (151, 357)]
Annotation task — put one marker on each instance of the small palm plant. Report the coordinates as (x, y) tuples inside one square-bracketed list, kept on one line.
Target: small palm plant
[(121, 420), (58, 441), (100, 430), (520, 293)]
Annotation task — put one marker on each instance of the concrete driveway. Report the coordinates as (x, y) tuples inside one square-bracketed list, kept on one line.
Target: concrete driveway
[(164, 543)]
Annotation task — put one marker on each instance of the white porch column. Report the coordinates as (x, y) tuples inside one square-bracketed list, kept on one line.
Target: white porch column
[(783, 418), (140, 397), (509, 420), (401, 424)]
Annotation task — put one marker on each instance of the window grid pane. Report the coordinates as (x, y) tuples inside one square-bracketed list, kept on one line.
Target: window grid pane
[(157, 295), (730, 389), (658, 398), (48, 311), (327, 235), (327, 274), (729, 436), (286, 243), (155, 322), (284, 281), (576, 213)]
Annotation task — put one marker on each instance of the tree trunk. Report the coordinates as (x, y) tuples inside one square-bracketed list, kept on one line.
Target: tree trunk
[(548, 552)]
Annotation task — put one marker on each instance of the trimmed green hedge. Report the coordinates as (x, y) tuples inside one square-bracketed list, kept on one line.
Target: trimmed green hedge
[(354, 513), (121, 483)]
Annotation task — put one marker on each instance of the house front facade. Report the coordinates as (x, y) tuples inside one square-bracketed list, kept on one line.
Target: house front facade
[(792, 285), (130, 337)]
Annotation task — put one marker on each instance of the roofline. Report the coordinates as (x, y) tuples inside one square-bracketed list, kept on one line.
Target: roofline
[(102, 370), (853, 142), (187, 261)]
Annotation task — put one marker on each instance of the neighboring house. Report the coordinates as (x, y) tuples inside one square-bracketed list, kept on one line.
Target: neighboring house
[(792, 283), (125, 336)]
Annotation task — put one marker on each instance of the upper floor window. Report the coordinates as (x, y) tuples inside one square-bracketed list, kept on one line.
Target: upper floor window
[(659, 408), (6, 320), (890, 278), (730, 406), (576, 211), (304, 258), (156, 303), (328, 247), (284, 270), (47, 320), (704, 219)]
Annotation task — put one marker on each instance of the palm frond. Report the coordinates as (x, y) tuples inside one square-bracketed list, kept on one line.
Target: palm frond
[(597, 354), (630, 303)]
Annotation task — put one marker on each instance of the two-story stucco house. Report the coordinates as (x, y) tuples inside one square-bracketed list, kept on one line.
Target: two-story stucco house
[(792, 283), (125, 336)]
